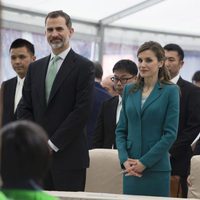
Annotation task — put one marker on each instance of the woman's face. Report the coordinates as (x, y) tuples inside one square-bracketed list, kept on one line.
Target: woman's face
[(148, 64)]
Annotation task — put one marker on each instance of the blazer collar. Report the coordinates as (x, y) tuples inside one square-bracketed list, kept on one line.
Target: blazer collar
[(156, 92), (42, 77), (180, 82), (137, 100)]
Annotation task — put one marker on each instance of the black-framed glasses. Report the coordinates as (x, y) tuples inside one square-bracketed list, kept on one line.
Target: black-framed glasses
[(122, 80)]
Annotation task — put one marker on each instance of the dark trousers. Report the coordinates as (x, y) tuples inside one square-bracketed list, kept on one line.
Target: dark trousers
[(184, 187), (65, 180)]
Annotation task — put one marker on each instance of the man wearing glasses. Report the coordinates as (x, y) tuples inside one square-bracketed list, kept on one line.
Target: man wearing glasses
[(125, 71)]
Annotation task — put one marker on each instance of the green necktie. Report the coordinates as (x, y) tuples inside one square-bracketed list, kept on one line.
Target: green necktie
[(51, 74)]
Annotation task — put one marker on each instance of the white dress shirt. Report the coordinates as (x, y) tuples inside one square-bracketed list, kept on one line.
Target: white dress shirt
[(175, 79), (119, 107), (18, 91)]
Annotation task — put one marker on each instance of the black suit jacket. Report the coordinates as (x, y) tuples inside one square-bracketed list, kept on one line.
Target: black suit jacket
[(104, 136), (65, 115), (100, 96), (189, 127), (8, 95)]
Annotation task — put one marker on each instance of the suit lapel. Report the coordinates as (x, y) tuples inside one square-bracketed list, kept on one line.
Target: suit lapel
[(42, 77), (180, 82), (65, 69), (152, 97), (113, 112), (13, 86), (137, 101)]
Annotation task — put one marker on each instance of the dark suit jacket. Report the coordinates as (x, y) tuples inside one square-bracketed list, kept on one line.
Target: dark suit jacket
[(104, 136), (100, 96), (65, 115), (8, 96), (189, 127)]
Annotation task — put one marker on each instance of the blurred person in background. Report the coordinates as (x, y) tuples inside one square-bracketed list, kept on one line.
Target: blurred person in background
[(196, 78), (108, 84), (99, 96)]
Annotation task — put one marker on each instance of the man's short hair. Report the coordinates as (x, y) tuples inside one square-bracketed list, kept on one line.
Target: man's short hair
[(196, 76), (127, 66), (60, 13), (98, 70), (175, 47), (18, 43)]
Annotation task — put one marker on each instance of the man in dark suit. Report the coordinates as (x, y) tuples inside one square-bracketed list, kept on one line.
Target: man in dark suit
[(125, 71), (99, 96), (189, 121), (57, 95), (21, 55)]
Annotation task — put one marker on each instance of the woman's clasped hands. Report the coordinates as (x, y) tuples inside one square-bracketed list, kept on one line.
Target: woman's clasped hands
[(133, 167)]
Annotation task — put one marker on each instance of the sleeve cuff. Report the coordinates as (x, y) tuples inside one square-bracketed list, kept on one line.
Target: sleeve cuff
[(55, 148)]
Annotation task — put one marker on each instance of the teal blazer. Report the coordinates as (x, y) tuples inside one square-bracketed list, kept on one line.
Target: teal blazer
[(147, 133)]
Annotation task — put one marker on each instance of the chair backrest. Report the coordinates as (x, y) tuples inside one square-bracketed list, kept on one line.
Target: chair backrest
[(193, 190), (104, 175)]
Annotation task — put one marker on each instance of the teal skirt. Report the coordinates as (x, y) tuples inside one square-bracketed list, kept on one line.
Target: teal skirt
[(152, 183)]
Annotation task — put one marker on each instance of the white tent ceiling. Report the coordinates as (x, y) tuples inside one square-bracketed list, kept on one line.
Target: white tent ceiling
[(173, 16)]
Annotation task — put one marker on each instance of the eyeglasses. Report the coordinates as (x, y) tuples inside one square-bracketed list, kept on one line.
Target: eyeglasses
[(122, 80)]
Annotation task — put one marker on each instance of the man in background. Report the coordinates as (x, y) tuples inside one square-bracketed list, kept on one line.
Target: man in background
[(189, 120), (99, 96), (21, 55), (108, 85), (125, 71), (196, 78)]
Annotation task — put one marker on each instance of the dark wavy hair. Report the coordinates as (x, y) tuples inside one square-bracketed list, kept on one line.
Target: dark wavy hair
[(163, 74)]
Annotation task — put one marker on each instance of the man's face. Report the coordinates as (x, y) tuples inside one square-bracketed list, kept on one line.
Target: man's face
[(173, 62), (58, 34), (20, 60), (121, 78)]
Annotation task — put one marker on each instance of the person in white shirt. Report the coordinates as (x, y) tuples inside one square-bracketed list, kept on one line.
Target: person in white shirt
[(22, 53)]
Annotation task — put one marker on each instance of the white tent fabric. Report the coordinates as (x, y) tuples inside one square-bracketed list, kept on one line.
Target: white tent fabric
[(108, 30), (174, 16)]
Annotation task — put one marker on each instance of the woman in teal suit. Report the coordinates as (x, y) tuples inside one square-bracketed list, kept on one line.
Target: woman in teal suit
[(148, 125)]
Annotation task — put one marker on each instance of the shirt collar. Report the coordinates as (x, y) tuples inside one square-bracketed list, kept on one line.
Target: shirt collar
[(20, 80), (62, 55), (120, 99), (175, 79)]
